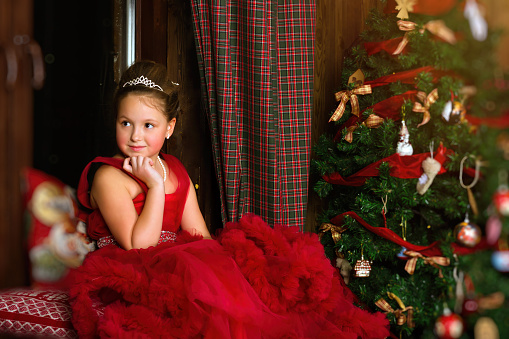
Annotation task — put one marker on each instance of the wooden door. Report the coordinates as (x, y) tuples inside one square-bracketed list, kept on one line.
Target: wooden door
[(21, 69)]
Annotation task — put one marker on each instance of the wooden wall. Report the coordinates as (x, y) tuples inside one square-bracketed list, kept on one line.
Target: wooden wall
[(338, 24)]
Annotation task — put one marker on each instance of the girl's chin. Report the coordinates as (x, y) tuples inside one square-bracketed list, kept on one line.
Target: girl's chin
[(137, 151), (133, 154)]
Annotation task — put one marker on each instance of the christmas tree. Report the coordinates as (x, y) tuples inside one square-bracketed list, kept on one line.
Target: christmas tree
[(414, 182)]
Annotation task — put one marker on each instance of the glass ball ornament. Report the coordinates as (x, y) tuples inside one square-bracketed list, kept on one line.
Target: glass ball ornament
[(467, 234), (500, 260), (453, 113), (501, 201), (449, 325)]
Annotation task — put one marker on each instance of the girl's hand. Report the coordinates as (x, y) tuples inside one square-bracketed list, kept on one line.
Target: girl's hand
[(143, 168)]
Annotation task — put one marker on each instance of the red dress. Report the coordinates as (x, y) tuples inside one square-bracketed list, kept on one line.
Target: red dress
[(253, 281)]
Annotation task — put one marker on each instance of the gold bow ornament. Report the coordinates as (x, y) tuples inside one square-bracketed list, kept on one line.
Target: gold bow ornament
[(400, 315), (336, 231), (433, 261), (427, 101), (344, 96), (373, 121), (435, 27)]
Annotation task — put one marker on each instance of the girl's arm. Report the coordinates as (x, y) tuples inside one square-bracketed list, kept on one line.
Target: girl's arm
[(112, 193), (192, 219)]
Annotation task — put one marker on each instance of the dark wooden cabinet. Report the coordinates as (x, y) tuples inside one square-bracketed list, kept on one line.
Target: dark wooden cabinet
[(21, 70)]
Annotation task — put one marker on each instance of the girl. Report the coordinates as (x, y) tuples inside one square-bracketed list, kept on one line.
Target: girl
[(157, 272)]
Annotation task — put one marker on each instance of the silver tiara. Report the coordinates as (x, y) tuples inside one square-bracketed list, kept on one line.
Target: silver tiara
[(142, 80)]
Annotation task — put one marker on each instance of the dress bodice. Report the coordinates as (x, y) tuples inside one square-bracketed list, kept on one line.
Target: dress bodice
[(173, 207)]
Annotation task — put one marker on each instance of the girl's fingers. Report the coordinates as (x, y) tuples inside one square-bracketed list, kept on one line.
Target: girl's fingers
[(148, 161), (127, 165), (135, 165)]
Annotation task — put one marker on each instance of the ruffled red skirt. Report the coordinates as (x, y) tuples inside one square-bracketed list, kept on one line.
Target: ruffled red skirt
[(254, 281)]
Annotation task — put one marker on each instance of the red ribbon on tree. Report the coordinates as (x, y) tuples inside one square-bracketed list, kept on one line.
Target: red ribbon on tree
[(391, 45), (428, 7), (403, 167), (407, 77), (430, 250), (388, 45), (494, 122)]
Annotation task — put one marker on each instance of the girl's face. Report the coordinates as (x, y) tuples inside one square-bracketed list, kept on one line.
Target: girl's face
[(141, 126)]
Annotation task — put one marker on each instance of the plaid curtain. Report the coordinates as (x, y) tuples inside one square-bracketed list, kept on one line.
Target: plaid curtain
[(256, 67)]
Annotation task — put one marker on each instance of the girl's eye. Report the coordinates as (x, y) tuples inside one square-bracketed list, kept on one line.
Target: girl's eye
[(125, 123), (149, 125)]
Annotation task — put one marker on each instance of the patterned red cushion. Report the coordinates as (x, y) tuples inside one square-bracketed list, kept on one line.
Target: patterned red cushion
[(43, 313), (56, 239)]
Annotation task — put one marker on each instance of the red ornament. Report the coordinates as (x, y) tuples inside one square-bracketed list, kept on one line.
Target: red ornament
[(467, 233), (470, 306), (501, 201), (493, 229), (449, 325)]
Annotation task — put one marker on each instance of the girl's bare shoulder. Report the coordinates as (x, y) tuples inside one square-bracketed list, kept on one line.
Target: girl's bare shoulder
[(111, 180)]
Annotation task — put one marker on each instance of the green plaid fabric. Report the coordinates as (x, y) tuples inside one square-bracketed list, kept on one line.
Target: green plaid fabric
[(256, 67)]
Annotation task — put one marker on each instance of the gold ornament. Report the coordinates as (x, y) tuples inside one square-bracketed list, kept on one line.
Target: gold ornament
[(362, 267), (433, 261), (436, 27), (454, 112), (349, 95), (400, 315), (336, 231), (427, 101), (404, 7), (373, 121)]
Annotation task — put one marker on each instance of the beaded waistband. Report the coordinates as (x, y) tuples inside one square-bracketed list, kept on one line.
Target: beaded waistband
[(109, 240)]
